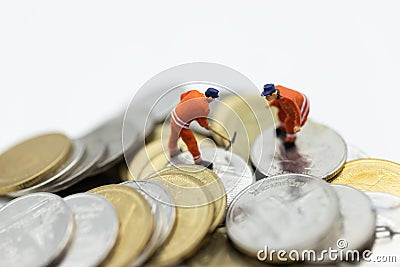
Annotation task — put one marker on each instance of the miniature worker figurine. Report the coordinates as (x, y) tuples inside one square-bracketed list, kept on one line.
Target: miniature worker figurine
[(293, 108), (192, 106)]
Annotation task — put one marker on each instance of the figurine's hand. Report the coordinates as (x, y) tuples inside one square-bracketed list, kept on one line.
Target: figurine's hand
[(208, 127), (297, 129)]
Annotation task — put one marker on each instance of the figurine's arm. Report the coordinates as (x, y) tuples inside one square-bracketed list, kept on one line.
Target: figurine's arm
[(273, 103), (292, 111), (203, 122)]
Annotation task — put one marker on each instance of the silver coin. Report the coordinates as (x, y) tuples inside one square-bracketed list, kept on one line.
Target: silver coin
[(96, 230), (110, 134), (4, 200), (35, 230), (319, 151), (387, 235), (163, 210), (234, 172), (357, 231), (387, 207), (355, 153), (290, 211), (94, 153), (76, 156)]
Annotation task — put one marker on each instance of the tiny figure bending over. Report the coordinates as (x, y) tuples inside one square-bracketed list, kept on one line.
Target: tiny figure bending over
[(192, 106), (293, 108)]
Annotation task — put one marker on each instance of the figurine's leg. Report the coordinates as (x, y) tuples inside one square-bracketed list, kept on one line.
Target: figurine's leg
[(281, 127), (173, 141), (290, 134), (191, 143)]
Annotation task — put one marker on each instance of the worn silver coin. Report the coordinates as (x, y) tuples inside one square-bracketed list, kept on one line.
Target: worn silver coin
[(234, 172), (284, 212), (355, 153), (357, 231), (78, 151), (94, 153), (387, 207), (163, 210), (96, 230), (319, 151), (35, 230)]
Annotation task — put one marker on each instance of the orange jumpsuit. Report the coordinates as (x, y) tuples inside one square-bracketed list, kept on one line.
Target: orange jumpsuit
[(293, 108), (192, 106)]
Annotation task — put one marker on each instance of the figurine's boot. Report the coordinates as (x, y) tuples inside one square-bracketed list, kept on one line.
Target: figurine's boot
[(289, 140), (289, 145), (205, 163), (280, 132)]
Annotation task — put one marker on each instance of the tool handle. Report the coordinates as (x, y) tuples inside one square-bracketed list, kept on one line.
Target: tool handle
[(219, 134)]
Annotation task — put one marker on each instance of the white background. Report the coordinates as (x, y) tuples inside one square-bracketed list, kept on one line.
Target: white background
[(69, 65)]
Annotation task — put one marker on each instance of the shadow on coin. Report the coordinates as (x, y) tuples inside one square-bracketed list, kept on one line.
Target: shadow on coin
[(291, 160), (108, 177)]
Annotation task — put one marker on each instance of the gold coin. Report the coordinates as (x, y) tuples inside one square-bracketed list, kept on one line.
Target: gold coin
[(219, 252), (156, 163), (135, 223), (191, 224), (32, 161), (372, 175), (245, 114), (142, 158), (211, 184)]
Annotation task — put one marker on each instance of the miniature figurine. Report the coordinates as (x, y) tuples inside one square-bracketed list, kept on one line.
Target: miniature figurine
[(293, 108), (193, 105)]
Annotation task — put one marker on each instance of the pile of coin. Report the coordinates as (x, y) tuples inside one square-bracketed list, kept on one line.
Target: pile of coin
[(52, 162), (115, 225), (166, 212)]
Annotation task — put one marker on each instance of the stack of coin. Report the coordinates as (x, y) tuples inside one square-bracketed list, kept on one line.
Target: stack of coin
[(112, 225), (51, 162), (181, 199), (54, 162), (36, 160), (171, 211), (233, 170)]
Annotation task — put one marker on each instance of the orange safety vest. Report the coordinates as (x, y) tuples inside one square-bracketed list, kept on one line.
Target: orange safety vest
[(193, 106), (293, 103)]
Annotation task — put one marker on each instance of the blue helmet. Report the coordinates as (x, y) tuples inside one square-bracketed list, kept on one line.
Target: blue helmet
[(212, 92), (269, 89)]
